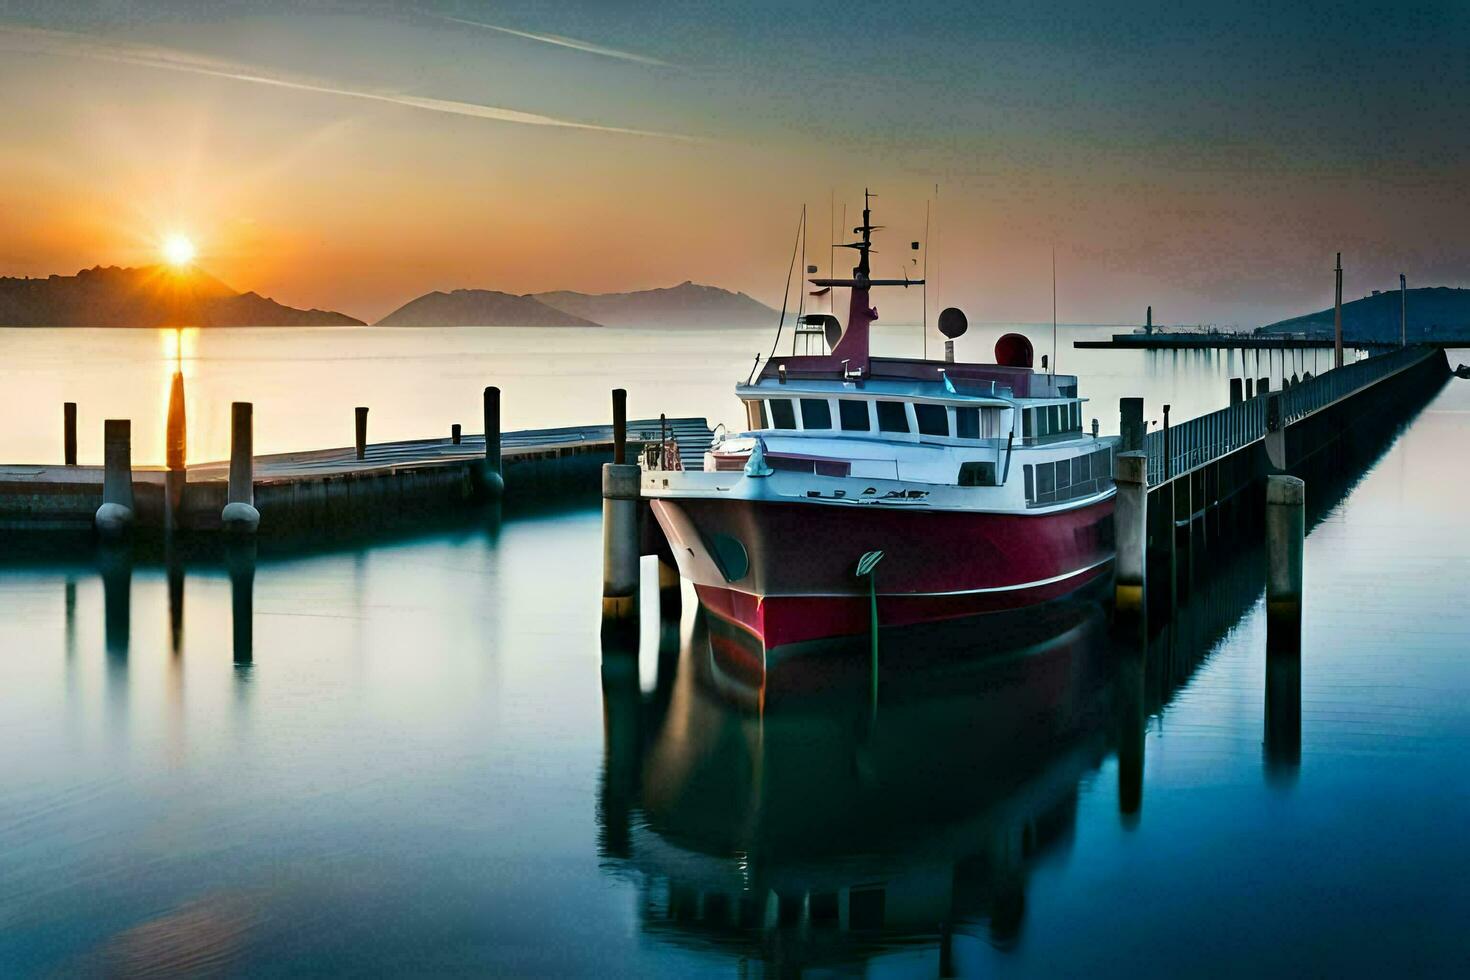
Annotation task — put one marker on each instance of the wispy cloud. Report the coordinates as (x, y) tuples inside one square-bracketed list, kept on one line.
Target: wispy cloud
[(560, 41), (169, 59)]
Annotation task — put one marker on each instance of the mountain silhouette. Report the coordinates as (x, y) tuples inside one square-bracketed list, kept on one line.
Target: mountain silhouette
[(479, 308), (685, 305), (1432, 313), (149, 296)]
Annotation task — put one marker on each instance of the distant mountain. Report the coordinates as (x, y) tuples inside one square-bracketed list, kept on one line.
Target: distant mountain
[(685, 305), (1434, 312), (479, 308), (151, 296)]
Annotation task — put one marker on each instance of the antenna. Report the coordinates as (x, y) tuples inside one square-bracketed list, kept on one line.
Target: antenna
[(1053, 310), (926, 280), (800, 289), (786, 295)]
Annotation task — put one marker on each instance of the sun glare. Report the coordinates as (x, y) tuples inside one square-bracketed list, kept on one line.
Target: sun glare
[(178, 251)]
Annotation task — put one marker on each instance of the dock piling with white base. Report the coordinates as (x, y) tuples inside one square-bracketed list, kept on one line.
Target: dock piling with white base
[(1285, 533), (116, 513), (239, 514)]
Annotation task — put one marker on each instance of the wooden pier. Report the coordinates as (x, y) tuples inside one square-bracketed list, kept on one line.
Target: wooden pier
[(1186, 488), (336, 489), (1209, 341)]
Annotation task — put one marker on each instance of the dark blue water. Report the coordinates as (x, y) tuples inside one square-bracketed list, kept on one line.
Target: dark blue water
[(417, 763)]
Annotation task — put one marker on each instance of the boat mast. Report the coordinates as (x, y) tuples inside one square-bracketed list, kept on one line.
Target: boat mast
[(853, 346)]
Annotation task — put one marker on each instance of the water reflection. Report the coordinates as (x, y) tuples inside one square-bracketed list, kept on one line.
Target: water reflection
[(240, 561), (772, 817)]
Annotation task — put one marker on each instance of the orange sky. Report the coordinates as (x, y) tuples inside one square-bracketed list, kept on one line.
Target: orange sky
[(353, 161)]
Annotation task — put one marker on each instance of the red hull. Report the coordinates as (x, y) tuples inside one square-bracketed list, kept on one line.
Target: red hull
[(799, 583)]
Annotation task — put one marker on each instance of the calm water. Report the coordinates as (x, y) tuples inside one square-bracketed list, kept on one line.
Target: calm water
[(305, 383), (417, 762)]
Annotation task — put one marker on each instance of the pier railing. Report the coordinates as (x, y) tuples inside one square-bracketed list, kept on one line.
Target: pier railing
[(1200, 440), (1301, 400)]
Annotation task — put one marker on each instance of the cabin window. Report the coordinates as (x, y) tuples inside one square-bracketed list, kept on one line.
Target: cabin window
[(967, 423), (1055, 411), (854, 415), (783, 416), (892, 417), (1069, 479), (978, 474), (816, 413), (1028, 426), (933, 419), (1076, 416), (755, 411), (1046, 481), (1043, 422)]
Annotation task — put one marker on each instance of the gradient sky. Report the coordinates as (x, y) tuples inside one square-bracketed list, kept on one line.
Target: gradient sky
[(355, 155)]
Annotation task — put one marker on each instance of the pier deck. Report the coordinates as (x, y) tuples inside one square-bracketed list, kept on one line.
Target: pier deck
[(329, 487)]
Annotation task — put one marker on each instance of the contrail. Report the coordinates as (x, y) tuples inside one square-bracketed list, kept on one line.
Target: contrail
[(84, 46), (561, 42)]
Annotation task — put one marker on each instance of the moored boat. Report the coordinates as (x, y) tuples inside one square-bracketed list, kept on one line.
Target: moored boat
[(872, 490)]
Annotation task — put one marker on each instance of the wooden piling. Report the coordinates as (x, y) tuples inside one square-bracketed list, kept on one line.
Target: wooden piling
[(239, 514), (1168, 454), (116, 513), (176, 447), (69, 433), (175, 452), (620, 426), (620, 550), (1130, 531), (454, 433), (1130, 424), (1263, 386), (361, 413), (1250, 388), (492, 478), (1285, 545), (1237, 391)]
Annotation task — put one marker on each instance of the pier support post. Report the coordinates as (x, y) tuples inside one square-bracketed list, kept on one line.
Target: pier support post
[(620, 545), (361, 413), (1237, 391), (454, 434), (1130, 531), (1275, 433), (1168, 449), (492, 477), (175, 451), (116, 513), (620, 426), (1250, 388), (240, 515), (1263, 386), (1285, 532), (69, 433), (1130, 424)]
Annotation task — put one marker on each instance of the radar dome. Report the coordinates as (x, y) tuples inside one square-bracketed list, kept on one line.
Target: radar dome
[(952, 322), (1014, 350)]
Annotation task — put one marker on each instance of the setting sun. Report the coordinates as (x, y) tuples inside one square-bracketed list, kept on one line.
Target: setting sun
[(178, 250)]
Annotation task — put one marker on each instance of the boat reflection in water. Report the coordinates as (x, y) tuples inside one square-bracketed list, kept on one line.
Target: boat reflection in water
[(779, 816), (808, 829)]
